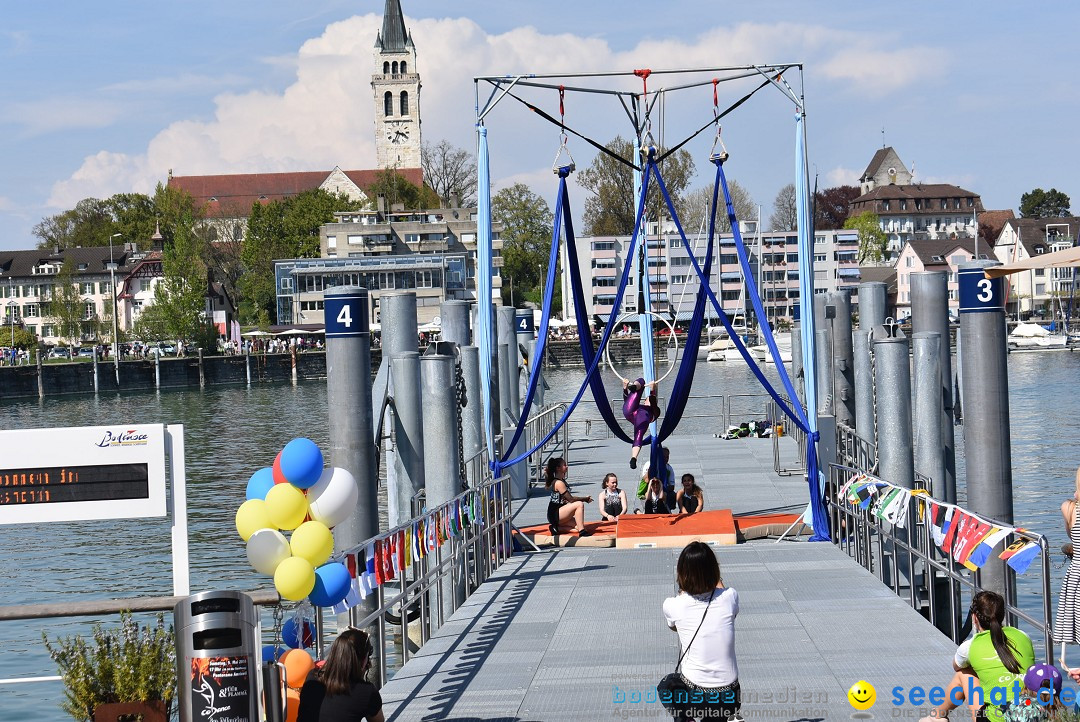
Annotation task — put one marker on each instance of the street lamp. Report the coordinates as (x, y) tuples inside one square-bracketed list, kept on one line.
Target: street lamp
[(112, 287)]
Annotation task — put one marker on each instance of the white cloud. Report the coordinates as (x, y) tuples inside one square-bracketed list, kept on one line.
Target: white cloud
[(183, 83), (54, 114), (841, 177), (6, 204), (325, 117)]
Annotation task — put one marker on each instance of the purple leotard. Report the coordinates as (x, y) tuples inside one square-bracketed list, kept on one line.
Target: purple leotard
[(638, 415)]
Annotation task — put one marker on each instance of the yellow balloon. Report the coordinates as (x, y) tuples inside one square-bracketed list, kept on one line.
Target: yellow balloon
[(294, 578), (313, 541), (251, 517), (286, 506)]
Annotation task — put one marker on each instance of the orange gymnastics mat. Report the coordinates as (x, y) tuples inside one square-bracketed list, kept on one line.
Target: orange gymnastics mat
[(642, 531)]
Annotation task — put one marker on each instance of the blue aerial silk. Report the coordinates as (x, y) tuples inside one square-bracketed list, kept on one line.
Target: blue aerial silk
[(484, 270)]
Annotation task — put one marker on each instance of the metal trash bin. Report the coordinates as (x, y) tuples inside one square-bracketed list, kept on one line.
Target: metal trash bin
[(217, 657)]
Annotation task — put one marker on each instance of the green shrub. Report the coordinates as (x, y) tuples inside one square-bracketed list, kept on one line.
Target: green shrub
[(125, 664)]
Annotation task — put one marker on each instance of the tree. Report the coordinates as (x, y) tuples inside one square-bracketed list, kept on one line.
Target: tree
[(872, 240), (287, 228), (68, 306), (832, 206), (180, 297), (397, 189), (785, 216), (694, 208), (450, 172), (526, 236), (1044, 204), (89, 223), (612, 208)]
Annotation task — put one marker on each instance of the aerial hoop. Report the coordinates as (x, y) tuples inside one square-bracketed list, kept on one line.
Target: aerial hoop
[(674, 343)]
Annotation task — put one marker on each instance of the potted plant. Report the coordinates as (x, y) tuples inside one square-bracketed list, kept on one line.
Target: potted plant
[(125, 673)]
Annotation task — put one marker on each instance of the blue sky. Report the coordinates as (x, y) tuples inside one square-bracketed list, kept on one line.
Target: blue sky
[(106, 97)]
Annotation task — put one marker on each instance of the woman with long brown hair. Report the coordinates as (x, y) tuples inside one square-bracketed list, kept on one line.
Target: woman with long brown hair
[(340, 692), (562, 505), (996, 656)]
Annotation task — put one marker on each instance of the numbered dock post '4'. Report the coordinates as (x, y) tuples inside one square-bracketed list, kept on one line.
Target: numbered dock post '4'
[(346, 313)]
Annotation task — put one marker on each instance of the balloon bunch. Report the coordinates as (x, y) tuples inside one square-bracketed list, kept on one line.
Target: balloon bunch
[(298, 495), (296, 660)]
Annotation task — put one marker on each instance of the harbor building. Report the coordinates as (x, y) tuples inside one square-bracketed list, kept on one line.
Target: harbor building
[(673, 281), (909, 210), (937, 255), (28, 288), (1039, 288), (431, 252)]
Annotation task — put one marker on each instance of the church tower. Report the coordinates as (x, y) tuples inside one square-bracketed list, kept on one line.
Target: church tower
[(397, 93)]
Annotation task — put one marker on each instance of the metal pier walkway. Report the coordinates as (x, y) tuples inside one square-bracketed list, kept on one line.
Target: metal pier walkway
[(579, 633)]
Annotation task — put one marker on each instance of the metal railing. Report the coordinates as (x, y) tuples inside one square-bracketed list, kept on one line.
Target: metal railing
[(433, 587), (786, 427), (854, 451), (536, 428), (910, 563)]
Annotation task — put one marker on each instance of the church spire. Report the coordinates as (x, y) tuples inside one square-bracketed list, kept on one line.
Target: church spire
[(394, 38)]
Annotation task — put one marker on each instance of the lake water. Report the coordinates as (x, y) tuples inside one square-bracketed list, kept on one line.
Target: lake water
[(231, 432)]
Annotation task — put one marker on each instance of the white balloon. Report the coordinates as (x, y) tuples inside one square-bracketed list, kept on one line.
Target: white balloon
[(266, 549), (333, 497)]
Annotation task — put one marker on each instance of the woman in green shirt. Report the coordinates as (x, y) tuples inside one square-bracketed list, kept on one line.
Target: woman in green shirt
[(996, 656)]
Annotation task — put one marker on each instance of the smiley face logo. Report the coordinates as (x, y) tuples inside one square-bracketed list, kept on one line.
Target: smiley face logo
[(862, 695)]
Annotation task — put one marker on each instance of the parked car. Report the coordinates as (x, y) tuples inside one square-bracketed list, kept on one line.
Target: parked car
[(161, 349), (86, 352), (59, 352)]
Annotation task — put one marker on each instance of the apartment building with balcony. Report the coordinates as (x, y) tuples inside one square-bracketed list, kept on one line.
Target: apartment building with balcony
[(937, 255), (673, 282), (429, 252), (1023, 238), (28, 283), (921, 212)]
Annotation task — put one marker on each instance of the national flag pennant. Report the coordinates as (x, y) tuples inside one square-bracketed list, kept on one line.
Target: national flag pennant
[(956, 523), (981, 553), (409, 548), (968, 538), (402, 555), (1020, 554), (896, 510), (418, 528), (352, 598), (388, 559), (884, 499), (379, 578), (369, 574), (429, 530), (843, 493)]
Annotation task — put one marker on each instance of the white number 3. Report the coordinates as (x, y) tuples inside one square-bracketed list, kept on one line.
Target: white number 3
[(986, 292)]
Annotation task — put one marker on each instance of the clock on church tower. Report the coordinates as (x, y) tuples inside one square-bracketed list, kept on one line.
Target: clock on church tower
[(396, 86)]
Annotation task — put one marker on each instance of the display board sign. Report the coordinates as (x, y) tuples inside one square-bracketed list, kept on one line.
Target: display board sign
[(346, 315), (979, 294), (82, 473)]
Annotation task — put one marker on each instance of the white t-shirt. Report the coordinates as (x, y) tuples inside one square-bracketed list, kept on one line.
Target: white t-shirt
[(710, 661)]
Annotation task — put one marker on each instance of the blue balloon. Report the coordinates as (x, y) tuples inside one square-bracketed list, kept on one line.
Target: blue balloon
[(301, 463), (332, 583), (290, 637), (270, 652), (260, 482)]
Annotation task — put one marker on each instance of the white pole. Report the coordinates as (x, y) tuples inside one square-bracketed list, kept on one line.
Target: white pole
[(112, 285), (174, 447)]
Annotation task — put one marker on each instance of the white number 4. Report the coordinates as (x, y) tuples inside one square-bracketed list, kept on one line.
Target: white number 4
[(986, 291), (344, 317)]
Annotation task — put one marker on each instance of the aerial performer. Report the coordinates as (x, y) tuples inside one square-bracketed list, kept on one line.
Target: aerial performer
[(639, 410)]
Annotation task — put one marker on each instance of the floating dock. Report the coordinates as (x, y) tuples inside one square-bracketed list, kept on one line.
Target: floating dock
[(578, 633)]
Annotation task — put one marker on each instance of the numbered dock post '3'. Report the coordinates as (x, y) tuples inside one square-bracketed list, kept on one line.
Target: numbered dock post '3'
[(352, 434), (985, 397)]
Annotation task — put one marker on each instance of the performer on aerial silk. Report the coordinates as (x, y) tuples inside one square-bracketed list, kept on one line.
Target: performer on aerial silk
[(639, 410)]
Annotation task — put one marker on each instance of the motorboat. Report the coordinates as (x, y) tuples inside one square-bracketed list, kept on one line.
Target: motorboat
[(1034, 336), (783, 345), (720, 350)]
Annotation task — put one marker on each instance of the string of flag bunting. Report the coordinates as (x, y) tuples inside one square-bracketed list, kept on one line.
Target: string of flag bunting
[(965, 536), (382, 559)]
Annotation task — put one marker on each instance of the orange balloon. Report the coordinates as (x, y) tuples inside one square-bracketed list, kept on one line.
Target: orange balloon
[(292, 704), (298, 664)]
